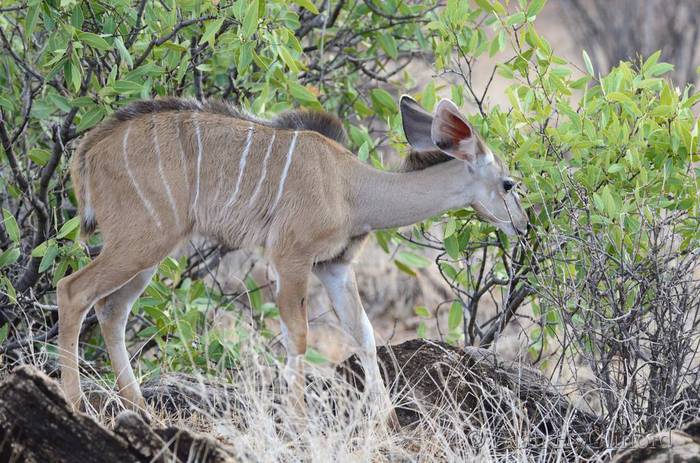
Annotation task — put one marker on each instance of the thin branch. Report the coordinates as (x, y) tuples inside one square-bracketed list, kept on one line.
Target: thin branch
[(161, 40)]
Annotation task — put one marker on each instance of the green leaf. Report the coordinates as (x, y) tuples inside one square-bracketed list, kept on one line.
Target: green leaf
[(6, 103), (421, 330), (302, 94), (81, 102), (498, 43), (250, 21), (452, 246), (412, 260), (11, 225), (91, 118), (254, 293), (363, 152), (288, 59), (619, 97), (454, 319), (30, 19), (49, 257), (40, 250), (315, 357), (485, 5), (9, 257), (307, 4), (39, 156), (660, 69), (587, 62), (211, 30), (4, 330), (123, 52), (388, 44), (653, 58), (535, 8), (404, 268), (94, 40), (127, 87), (68, 227), (516, 18), (422, 311), (73, 73), (77, 18), (382, 100)]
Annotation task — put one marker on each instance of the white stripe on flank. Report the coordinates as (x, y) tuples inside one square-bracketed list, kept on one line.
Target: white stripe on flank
[(88, 211), (147, 204), (183, 158), (263, 174), (162, 174), (290, 153), (198, 133), (241, 166)]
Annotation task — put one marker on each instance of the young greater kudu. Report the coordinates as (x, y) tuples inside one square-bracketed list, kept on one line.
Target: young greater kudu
[(160, 171)]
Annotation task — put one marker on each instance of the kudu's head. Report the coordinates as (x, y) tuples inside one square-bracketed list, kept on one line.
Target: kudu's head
[(491, 189)]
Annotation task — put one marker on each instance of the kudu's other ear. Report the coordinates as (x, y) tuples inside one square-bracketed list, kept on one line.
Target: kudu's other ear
[(417, 124), (452, 133)]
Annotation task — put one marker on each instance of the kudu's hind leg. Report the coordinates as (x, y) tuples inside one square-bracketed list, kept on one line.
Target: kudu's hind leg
[(293, 281), (76, 294), (339, 281), (113, 313)]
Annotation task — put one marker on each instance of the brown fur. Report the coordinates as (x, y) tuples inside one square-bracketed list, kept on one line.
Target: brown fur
[(161, 171), (419, 160), (136, 176), (323, 123)]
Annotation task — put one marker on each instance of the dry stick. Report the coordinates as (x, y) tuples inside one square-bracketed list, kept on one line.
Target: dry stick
[(47, 336)]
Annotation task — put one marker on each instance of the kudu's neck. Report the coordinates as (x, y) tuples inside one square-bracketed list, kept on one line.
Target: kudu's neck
[(396, 199)]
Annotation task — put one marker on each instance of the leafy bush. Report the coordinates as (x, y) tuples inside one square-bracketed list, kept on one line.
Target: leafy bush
[(610, 265), (606, 163), (68, 65)]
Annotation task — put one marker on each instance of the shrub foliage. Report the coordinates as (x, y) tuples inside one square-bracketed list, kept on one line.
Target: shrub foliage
[(606, 276)]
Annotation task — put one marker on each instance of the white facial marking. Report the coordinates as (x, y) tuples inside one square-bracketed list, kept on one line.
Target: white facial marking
[(286, 170), (241, 166), (168, 193), (147, 204), (198, 133), (263, 174)]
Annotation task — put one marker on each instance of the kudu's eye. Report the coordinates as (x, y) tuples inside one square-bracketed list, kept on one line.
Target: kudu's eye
[(508, 184)]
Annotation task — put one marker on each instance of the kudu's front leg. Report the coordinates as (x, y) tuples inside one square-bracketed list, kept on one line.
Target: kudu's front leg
[(113, 312), (339, 281), (293, 276)]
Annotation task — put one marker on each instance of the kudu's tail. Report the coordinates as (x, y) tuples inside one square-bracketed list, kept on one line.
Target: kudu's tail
[(80, 173)]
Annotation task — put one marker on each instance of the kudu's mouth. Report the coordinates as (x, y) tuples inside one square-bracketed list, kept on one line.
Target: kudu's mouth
[(510, 226)]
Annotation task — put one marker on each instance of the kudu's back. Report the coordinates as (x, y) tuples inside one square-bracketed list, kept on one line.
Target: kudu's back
[(164, 169)]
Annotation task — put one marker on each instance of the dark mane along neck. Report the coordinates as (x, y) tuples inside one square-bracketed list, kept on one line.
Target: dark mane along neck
[(324, 123), (419, 160)]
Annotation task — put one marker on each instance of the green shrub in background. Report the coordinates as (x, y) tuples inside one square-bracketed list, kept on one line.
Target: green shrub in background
[(606, 163), (68, 65)]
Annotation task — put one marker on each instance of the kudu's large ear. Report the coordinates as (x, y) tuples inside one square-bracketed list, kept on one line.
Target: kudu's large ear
[(452, 133), (417, 124)]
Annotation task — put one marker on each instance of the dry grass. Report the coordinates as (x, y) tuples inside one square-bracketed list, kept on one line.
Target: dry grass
[(245, 409)]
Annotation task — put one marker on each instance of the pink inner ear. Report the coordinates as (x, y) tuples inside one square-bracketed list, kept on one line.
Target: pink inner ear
[(456, 129)]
